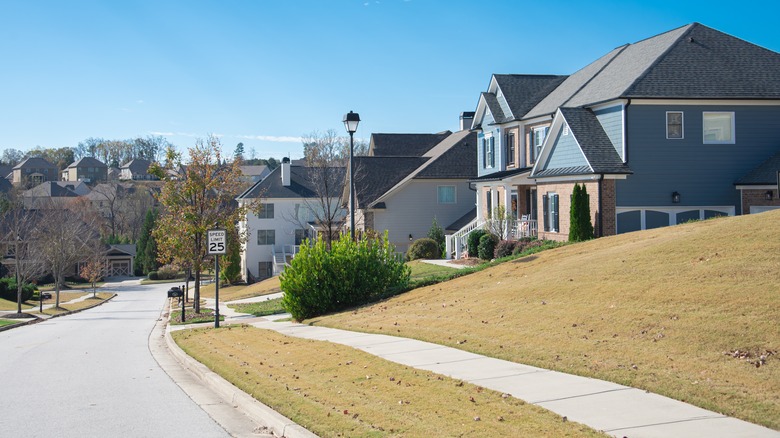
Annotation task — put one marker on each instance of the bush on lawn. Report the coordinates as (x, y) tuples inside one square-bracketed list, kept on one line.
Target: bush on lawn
[(153, 275), (424, 248), (487, 246), (319, 281), (167, 272), (504, 248), (473, 241), (8, 290)]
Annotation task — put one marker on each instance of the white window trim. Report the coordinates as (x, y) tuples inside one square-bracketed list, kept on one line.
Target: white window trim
[(454, 194), (733, 127), (682, 125)]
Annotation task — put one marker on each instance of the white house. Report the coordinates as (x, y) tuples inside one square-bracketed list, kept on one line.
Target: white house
[(289, 198)]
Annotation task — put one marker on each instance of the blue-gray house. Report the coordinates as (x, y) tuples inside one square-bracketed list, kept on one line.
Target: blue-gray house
[(679, 126)]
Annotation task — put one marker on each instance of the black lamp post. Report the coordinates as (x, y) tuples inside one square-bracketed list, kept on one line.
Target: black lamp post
[(351, 121)]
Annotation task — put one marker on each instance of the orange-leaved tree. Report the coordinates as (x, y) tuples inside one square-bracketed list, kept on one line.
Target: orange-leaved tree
[(198, 195)]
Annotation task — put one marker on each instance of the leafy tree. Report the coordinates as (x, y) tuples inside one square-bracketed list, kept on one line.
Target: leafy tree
[(196, 198), (12, 156), (21, 238), (580, 227), (146, 248), (239, 152), (230, 265), (437, 234), (96, 265)]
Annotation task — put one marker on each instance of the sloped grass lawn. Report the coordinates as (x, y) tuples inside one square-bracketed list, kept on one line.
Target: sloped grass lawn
[(4, 322), (423, 271), (334, 390), (260, 308), (231, 293), (11, 305), (690, 312)]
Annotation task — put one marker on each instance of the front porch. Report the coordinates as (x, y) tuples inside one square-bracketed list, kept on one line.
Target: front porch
[(507, 229)]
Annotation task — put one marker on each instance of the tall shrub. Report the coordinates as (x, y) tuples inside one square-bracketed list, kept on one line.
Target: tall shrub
[(437, 234), (473, 241), (319, 281), (487, 246), (580, 227)]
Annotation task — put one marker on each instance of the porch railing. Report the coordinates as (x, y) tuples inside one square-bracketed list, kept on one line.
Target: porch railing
[(507, 229)]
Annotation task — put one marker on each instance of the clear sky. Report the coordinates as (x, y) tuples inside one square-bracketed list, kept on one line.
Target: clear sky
[(266, 72)]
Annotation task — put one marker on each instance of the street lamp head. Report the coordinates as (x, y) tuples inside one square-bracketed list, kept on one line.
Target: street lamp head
[(351, 121)]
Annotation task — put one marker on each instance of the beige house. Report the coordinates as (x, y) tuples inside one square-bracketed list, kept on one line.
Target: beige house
[(33, 171)]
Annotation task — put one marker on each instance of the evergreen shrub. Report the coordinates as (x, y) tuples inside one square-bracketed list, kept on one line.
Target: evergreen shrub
[(487, 246), (319, 281), (424, 248), (473, 241), (8, 290)]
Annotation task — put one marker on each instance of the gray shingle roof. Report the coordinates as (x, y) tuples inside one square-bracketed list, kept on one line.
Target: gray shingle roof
[(50, 189), (137, 165), (87, 162), (764, 174), (462, 221), (459, 161), (593, 141), (302, 184), (34, 162), (404, 145), (494, 107), (523, 92), (374, 176)]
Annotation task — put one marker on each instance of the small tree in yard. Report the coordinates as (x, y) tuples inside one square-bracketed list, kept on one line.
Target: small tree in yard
[(93, 271), (580, 227), (437, 234)]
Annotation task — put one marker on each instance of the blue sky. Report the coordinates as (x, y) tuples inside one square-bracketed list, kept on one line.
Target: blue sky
[(266, 72)]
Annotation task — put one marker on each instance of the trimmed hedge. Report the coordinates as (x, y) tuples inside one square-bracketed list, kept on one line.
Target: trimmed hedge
[(424, 248), (487, 246), (319, 281)]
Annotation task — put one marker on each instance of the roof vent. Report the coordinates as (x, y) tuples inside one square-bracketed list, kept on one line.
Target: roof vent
[(690, 39)]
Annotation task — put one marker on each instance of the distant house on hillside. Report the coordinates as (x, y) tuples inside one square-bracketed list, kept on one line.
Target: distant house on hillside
[(53, 194), (137, 169), (5, 172), (33, 171), (87, 169), (253, 174)]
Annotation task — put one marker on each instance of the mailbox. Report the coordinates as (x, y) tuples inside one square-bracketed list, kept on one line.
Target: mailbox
[(175, 292)]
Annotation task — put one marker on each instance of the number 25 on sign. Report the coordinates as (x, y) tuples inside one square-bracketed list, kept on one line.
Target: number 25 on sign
[(217, 242)]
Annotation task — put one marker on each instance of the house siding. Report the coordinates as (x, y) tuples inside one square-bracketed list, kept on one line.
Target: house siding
[(611, 119), (703, 174), (486, 132), (565, 153), (411, 211)]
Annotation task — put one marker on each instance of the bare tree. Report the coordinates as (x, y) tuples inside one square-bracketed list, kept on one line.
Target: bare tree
[(21, 241), (68, 237)]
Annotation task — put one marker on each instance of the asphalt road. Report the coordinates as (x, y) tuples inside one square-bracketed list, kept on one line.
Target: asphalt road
[(91, 375)]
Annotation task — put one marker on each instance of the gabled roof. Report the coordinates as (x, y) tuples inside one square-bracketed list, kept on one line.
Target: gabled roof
[(35, 163), (690, 62), (302, 180), (599, 153), (456, 159), (404, 145), (5, 171), (122, 249), (462, 221), (137, 165), (764, 174), (50, 189), (523, 92), (375, 176), (87, 162)]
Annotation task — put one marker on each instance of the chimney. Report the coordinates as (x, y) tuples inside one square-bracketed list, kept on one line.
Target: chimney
[(466, 119), (285, 171)]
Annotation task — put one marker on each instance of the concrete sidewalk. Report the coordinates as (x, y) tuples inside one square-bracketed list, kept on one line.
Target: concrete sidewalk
[(618, 410)]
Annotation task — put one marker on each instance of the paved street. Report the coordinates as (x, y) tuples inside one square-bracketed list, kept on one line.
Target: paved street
[(91, 375)]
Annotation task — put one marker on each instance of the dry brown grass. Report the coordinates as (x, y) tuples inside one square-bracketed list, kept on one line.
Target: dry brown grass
[(334, 390), (81, 305), (230, 293), (656, 310)]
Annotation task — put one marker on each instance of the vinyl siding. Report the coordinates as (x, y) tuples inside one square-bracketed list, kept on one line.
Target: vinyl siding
[(704, 174), (412, 209), (565, 153), (611, 120)]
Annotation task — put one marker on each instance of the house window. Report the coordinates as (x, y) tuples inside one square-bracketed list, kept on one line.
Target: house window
[(489, 156), (537, 140), (266, 211), (510, 149), (300, 236), (674, 124), (266, 237), (718, 127), (446, 194), (550, 205)]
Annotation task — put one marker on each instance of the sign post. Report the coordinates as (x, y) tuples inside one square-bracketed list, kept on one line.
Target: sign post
[(216, 244)]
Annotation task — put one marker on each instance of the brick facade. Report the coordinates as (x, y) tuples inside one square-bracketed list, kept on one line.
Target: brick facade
[(757, 197), (564, 192)]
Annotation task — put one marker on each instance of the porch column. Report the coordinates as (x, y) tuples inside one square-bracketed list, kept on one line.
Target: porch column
[(479, 203), (507, 209)]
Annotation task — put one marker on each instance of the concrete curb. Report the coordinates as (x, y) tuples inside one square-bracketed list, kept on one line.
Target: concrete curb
[(70, 312), (255, 410)]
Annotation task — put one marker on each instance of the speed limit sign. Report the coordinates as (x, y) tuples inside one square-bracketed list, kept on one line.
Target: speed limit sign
[(217, 242)]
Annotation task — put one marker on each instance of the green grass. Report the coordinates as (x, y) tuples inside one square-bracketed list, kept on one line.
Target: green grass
[(422, 270), (662, 310), (4, 322), (205, 315), (260, 308)]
